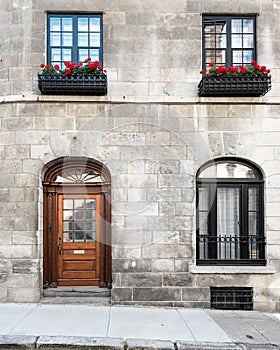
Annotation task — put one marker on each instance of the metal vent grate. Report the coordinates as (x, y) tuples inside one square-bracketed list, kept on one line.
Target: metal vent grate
[(232, 298)]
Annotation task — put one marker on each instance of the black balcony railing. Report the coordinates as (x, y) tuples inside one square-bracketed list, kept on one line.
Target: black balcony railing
[(230, 250)]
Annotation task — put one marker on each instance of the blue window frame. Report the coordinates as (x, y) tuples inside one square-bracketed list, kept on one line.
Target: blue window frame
[(74, 37), (228, 40)]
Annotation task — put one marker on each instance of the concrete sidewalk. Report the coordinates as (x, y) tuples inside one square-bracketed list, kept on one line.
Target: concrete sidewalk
[(76, 326)]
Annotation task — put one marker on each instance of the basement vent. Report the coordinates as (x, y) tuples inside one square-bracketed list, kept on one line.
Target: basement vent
[(232, 298)]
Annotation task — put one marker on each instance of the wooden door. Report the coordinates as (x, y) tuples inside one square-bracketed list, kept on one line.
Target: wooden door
[(80, 224)]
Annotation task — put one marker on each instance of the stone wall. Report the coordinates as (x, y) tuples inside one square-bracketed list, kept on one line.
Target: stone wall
[(152, 132)]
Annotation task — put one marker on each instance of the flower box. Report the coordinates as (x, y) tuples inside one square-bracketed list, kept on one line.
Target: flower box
[(234, 85), (80, 84)]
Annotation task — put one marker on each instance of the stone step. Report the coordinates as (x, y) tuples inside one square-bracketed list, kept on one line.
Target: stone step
[(77, 294), (77, 300)]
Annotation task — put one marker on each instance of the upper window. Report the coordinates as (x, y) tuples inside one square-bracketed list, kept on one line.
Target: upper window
[(230, 214), (73, 38), (229, 40)]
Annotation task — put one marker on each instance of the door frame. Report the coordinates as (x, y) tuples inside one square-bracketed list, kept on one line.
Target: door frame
[(51, 190)]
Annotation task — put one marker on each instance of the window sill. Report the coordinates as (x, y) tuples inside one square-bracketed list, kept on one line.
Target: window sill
[(231, 269)]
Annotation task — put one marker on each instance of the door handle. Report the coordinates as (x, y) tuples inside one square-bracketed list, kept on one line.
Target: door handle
[(59, 246)]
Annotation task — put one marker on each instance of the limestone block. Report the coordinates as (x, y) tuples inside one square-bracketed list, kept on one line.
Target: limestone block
[(165, 237), (166, 251), (181, 265), (196, 294), (166, 209), (23, 295), (175, 180), (121, 294), (135, 237), (7, 181), (163, 265), (157, 294), (126, 252), (16, 151), (184, 209), (164, 194), (132, 265), (178, 279), (141, 280), (162, 166)]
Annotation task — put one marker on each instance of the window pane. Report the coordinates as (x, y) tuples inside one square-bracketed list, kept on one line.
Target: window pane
[(236, 40), (203, 223), (228, 212), (209, 41), (90, 204), (248, 40), (66, 55), (94, 54), (55, 39), (67, 25), (83, 24), (220, 57), (83, 54), (247, 56), (83, 39), (95, 39), (94, 24), (67, 236), (55, 24), (221, 26), (203, 198), (237, 57), (248, 26), (67, 39), (79, 236), (209, 26), (221, 41), (90, 236), (55, 55), (67, 204), (252, 224), (253, 198), (236, 26)]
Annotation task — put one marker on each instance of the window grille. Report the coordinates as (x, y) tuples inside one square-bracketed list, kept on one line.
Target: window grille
[(231, 298)]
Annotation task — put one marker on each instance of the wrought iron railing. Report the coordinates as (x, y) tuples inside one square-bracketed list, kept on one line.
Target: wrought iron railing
[(230, 250)]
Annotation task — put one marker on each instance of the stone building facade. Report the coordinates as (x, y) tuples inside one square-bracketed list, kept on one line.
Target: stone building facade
[(152, 132)]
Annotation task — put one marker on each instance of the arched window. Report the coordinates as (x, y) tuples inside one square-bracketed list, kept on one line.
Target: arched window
[(230, 213)]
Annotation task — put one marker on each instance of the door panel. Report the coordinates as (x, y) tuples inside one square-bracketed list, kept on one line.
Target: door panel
[(79, 225)]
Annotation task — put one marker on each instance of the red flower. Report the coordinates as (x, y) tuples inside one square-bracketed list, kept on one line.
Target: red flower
[(56, 67), (67, 71), (71, 66), (201, 72), (268, 71), (243, 70), (42, 65), (253, 62), (77, 66), (221, 69), (263, 68), (66, 63), (47, 66), (211, 64), (257, 67)]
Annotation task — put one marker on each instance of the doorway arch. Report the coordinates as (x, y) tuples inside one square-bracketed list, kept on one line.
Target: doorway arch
[(77, 223)]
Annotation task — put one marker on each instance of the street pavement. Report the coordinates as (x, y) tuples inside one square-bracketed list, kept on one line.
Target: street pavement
[(86, 326)]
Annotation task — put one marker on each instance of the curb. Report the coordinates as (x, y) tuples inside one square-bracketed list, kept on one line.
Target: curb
[(17, 342)]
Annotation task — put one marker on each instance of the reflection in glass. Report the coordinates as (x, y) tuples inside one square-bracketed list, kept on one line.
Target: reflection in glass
[(94, 39), (236, 57), (68, 203), (67, 24), (66, 55), (67, 39), (83, 39), (82, 24), (55, 39), (67, 236), (236, 26), (94, 24), (90, 236), (247, 56), (253, 198), (236, 40), (248, 41), (83, 54), (94, 54), (55, 24), (248, 26), (56, 55)]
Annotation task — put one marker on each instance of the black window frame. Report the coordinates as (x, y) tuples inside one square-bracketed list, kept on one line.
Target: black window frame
[(228, 49), (211, 242), (74, 48)]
